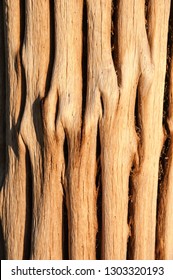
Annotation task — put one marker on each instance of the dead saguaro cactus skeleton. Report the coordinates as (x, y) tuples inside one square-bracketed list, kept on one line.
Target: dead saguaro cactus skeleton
[(82, 92)]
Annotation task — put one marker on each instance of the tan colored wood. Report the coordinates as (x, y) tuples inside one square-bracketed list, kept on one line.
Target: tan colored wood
[(57, 134), (14, 188), (165, 214), (151, 93)]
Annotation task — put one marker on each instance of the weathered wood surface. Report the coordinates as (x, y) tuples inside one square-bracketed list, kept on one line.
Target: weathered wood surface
[(83, 127)]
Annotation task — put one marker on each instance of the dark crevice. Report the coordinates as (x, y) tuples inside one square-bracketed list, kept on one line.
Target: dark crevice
[(146, 14), (163, 161), (65, 148), (52, 46), (19, 62), (98, 152), (66, 212), (164, 157), (84, 60), (65, 230), (56, 112), (162, 190), (130, 242), (22, 21), (38, 126), (114, 38), (99, 195), (13, 141), (37, 121), (102, 105), (99, 218), (138, 114), (168, 68), (29, 207)]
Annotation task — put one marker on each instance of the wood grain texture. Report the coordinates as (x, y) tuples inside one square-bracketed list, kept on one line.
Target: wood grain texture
[(83, 127)]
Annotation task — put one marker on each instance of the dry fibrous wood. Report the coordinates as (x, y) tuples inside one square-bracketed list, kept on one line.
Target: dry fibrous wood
[(13, 192), (165, 210), (82, 129), (153, 52)]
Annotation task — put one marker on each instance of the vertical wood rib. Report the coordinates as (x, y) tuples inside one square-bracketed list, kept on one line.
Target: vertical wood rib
[(14, 188), (2, 120), (151, 93), (79, 180), (35, 58), (2, 97), (118, 136)]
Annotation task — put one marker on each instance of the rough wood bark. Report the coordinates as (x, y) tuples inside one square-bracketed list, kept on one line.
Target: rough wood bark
[(165, 213), (59, 130), (14, 189), (46, 193), (117, 126), (2, 121), (151, 93), (2, 97)]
